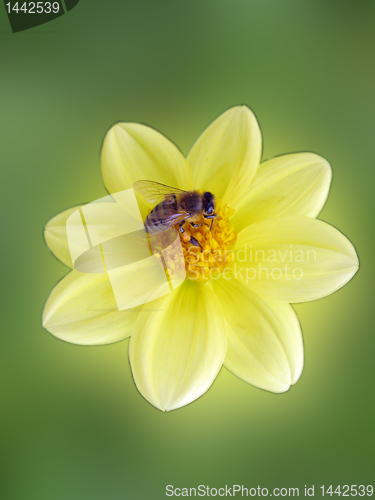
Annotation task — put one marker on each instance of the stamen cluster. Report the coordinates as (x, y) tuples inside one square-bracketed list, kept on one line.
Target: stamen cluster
[(214, 253), (203, 262)]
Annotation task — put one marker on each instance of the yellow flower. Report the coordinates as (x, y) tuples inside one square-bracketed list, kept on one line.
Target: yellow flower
[(241, 317)]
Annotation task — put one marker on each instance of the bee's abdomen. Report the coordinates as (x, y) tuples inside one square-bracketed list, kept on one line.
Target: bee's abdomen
[(155, 219)]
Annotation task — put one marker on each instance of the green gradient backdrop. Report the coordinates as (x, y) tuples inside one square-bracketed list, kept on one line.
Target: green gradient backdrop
[(72, 424)]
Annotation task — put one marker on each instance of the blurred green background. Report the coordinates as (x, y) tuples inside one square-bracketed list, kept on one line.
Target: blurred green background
[(72, 423)]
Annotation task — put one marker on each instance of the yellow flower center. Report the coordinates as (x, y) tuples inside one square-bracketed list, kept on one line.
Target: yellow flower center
[(214, 253)]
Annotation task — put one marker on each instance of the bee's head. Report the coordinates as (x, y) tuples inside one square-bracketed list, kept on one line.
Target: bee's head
[(208, 205)]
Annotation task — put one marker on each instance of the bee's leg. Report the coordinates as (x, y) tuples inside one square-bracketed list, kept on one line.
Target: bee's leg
[(212, 217), (195, 242), (182, 230), (196, 225), (192, 240)]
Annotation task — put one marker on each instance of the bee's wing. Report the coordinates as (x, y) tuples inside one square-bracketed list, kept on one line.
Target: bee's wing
[(154, 192)]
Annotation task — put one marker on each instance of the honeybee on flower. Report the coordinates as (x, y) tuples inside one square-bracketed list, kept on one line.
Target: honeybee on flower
[(224, 311)]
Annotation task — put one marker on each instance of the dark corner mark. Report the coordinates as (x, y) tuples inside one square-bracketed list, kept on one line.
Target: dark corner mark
[(69, 4), (25, 15)]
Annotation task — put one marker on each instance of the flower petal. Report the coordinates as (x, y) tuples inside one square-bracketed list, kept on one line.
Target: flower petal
[(265, 346), (133, 152), (294, 259), (82, 309), (295, 184), (56, 237), (178, 346), (226, 156)]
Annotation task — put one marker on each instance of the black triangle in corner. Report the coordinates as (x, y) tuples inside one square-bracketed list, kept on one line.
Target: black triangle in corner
[(69, 4)]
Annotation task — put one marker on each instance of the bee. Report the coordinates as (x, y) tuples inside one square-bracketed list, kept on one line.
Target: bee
[(175, 206)]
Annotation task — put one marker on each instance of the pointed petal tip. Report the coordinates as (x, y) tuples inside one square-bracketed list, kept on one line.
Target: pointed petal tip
[(174, 363), (82, 310), (333, 264), (133, 151), (225, 157), (44, 320), (326, 169), (243, 109), (294, 379), (281, 389), (298, 372), (265, 346), (120, 127), (291, 184)]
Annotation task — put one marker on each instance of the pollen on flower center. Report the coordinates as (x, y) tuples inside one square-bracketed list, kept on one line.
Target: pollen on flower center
[(214, 253)]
